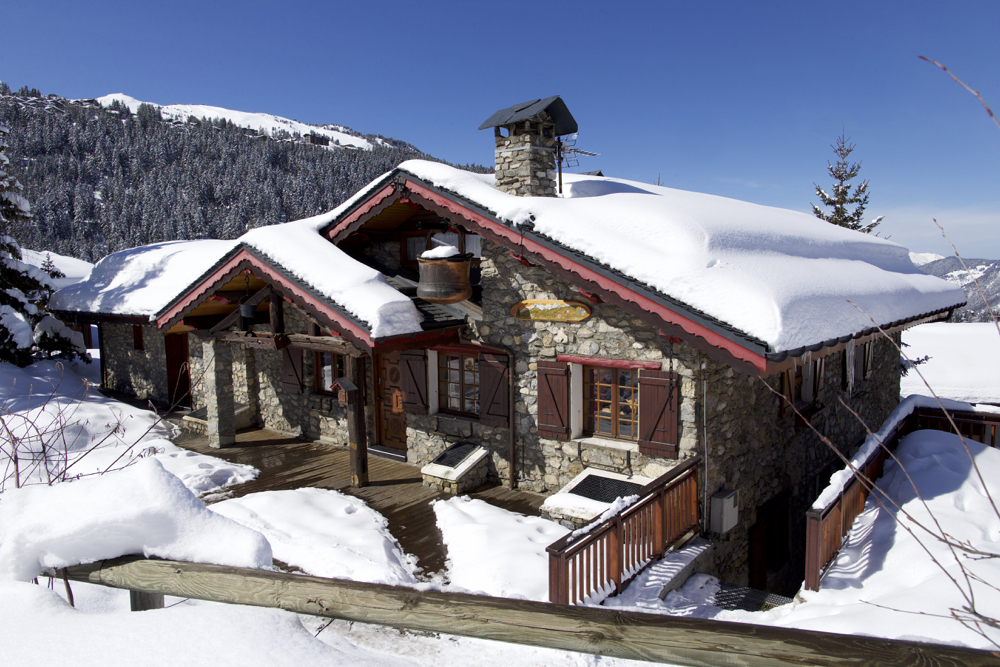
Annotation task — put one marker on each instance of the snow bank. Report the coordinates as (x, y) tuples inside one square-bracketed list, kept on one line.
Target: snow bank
[(49, 408), (75, 269), (141, 281), (364, 292), (139, 510), (840, 479), (324, 533), (494, 551), (964, 362), (780, 276)]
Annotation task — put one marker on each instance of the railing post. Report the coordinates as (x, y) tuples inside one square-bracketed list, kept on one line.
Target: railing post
[(557, 579), (659, 529), (616, 545), (814, 525)]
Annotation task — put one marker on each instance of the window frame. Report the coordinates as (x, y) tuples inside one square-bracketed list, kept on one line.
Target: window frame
[(338, 362), (587, 402), (443, 382)]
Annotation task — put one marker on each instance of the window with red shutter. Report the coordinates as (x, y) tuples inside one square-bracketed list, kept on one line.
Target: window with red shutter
[(553, 400), (659, 416), (494, 390)]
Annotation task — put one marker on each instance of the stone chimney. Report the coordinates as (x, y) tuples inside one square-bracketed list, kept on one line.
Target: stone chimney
[(526, 145)]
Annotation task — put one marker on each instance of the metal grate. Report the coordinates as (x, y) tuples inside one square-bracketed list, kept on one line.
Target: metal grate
[(733, 597), (604, 489), (454, 455)]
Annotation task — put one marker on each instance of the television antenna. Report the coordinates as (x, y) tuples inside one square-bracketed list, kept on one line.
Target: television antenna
[(566, 151)]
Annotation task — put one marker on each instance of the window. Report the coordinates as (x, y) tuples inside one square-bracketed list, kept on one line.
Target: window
[(329, 367), (137, 337), (802, 386), (458, 383), (611, 402), (859, 363)]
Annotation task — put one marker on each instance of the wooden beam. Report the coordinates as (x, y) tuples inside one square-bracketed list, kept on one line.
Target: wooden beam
[(208, 322), (323, 344), (260, 341), (599, 631), (232, 317), (356, 432), (277, 312)]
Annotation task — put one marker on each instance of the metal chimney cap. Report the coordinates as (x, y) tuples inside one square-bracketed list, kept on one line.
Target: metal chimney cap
[(565, 123)]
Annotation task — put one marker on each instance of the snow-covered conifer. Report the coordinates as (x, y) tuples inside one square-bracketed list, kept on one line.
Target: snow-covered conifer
[(843, 197)]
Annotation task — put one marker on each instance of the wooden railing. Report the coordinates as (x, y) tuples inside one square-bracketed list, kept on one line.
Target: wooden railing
[(827, 527), (603, 561)]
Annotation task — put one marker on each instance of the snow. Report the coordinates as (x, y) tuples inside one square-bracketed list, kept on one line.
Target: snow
[(142, 509), (964, 362), (364, 292), (50, 406), (440, 252), (141, 281), (780, 276), (75, 269), (494, 551), (261, 122), (921, 258), (54, 328), (17, 326), (324, 533)]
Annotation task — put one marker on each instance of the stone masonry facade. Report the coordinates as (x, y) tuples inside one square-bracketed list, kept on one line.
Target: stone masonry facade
[(141, 373)]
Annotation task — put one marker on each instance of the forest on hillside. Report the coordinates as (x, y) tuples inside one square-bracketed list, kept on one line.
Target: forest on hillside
[(104, 179)]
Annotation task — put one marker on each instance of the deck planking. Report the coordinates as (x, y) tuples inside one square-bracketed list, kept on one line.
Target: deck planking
[(395, 489)]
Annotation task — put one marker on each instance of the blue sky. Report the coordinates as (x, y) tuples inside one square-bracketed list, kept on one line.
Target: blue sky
[(738, 99)]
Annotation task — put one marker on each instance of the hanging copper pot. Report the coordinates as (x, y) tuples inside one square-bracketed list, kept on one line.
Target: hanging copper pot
[(445, 279)]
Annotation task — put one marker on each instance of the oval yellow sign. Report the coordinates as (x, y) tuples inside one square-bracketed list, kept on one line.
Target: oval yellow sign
[(550, 310)]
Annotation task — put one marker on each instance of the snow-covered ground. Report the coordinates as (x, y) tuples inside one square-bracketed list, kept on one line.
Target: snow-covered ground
[(261, 122), (964, 361), (883, 583)]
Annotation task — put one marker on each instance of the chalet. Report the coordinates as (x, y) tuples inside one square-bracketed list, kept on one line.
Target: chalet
[(615, 328)]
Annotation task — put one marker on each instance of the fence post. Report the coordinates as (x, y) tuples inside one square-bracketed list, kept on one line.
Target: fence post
[(813, 548), (616, 544), (659, 529)]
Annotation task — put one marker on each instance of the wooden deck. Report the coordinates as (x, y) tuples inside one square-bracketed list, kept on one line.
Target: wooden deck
[(395, 489)]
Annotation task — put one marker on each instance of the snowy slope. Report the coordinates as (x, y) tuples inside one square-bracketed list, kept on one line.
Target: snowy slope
[(75, 269), (262, 122), (984, 271), (963, 365)]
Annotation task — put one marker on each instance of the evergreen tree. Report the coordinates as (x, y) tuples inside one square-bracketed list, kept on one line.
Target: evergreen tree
[(843, 172), (26, 330)]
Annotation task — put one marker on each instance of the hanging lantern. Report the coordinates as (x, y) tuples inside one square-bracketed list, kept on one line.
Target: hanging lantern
[(445, 279), (246, 309)]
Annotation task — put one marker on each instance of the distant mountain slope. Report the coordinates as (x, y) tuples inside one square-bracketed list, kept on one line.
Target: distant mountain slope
[(105, 178), (271, 125), (986, 271)]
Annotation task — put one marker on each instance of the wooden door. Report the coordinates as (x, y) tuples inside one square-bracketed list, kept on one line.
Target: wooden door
[(178, 379), (389, 396)]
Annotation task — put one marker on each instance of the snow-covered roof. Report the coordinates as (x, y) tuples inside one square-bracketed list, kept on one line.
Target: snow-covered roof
[(141, 281), (781, 277), (145, 281)]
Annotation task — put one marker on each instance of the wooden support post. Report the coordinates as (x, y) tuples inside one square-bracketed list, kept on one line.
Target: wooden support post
[(145, 601), (356, 432), (277, 313)]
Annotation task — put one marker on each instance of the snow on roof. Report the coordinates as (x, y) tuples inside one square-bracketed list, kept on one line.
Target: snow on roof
[(145, 281), (141, 281), (780, 276), (301, 250)]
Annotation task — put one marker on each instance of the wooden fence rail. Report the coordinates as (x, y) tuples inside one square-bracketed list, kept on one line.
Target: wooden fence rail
[(603, 561), (620, 634), (827, 527)]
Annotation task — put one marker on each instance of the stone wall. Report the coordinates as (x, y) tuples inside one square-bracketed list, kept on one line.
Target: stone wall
[(526, 160), (541, 464), (141, 373)]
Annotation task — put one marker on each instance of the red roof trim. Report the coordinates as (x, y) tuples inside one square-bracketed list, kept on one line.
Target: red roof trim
[(667, 315), (610, 363), (199, 292), (372, 201)]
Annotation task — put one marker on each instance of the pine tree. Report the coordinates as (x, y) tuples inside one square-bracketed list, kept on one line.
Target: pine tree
[(843, 172), (26, 330)]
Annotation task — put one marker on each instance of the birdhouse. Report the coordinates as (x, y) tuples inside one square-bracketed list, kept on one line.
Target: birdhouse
[(444, 273), (344, 389)]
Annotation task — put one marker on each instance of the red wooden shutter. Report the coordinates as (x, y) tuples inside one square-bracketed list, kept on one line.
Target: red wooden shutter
[(291, 370), (413, 366), (553, 400), (659, 398), (494, 390)]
